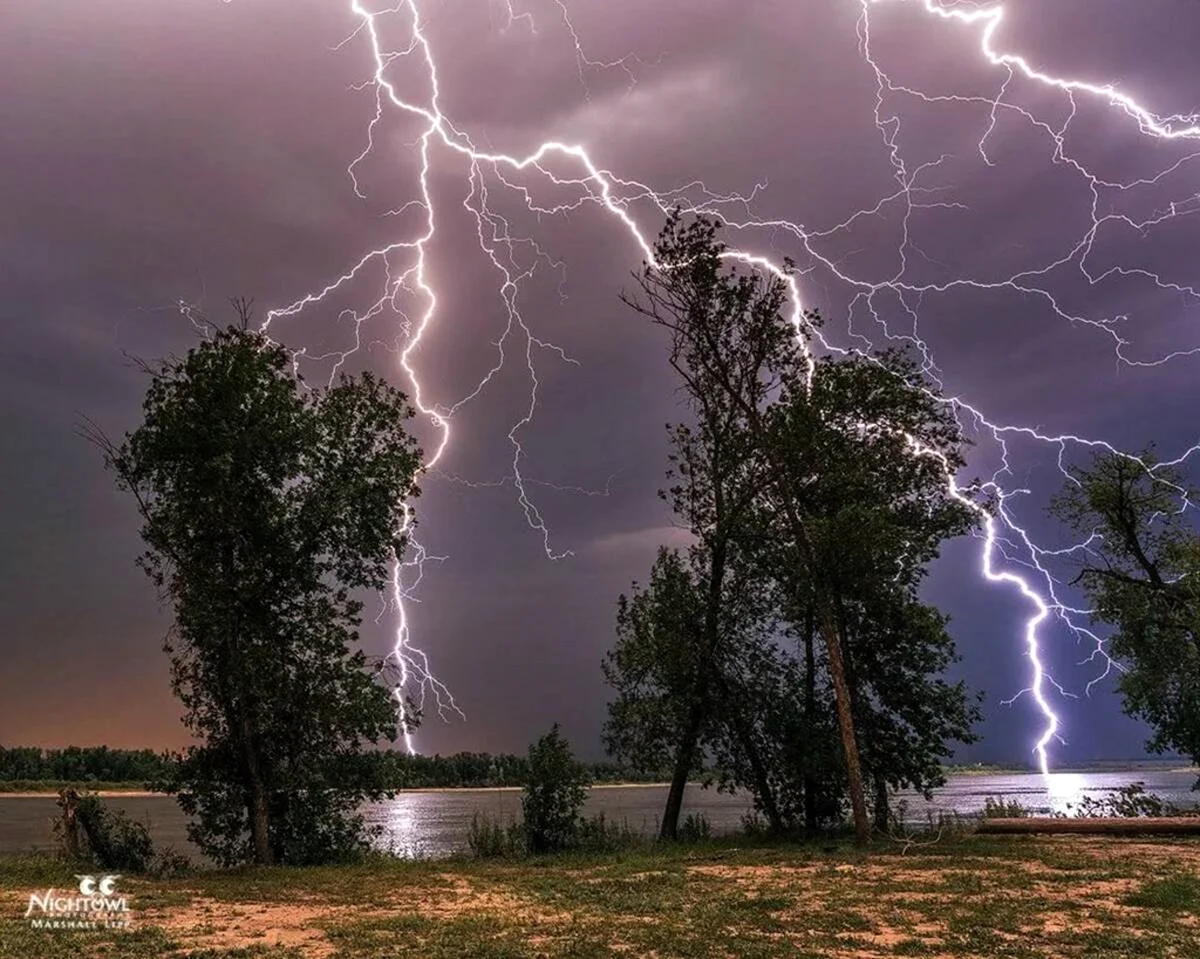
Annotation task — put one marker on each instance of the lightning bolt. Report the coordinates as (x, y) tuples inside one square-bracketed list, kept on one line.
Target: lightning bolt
[(556, 178)]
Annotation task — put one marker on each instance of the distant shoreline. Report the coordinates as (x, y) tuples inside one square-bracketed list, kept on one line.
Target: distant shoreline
[(138, 791), (102, 793)]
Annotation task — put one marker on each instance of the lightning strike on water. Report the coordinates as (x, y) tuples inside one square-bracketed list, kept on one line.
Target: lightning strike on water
[(1008, 554)]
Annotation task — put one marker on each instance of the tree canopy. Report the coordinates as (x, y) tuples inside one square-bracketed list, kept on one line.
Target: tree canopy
[(1141, 573), (267, 505), (817, 490)]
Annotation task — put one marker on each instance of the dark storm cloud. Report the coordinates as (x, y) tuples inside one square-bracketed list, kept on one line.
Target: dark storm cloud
[(196, 149)]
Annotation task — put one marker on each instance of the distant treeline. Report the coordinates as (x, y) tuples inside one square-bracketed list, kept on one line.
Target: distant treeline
[(83, 764), (79, 764), (402, 771)]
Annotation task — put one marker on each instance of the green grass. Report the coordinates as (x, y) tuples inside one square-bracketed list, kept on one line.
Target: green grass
[(1017, 897), (1173, 894)]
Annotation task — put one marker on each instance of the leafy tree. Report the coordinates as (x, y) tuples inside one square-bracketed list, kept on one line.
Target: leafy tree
[(266, 505), (728, 335), (83, 764), (554, 794), (909, 715), (652, 666), (1141, 573), (873, 443), (843, 511), (677, 641), (675, 671), (794, 719)]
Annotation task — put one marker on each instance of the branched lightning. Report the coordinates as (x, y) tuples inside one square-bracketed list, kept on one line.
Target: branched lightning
[(556, 178)]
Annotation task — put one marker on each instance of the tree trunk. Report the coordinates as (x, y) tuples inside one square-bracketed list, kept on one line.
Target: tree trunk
[(841, 691), (845, 647), (810, 714), (1100, 826), (765, 793), (881, 805), (685, 757), (827, 624), (745, 736), (256, 797), (783, 483)]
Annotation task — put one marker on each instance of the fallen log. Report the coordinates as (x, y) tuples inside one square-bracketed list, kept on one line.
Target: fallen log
[(1094, 825)]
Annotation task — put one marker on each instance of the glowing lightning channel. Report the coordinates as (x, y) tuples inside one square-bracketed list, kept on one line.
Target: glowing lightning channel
[(404, 270)]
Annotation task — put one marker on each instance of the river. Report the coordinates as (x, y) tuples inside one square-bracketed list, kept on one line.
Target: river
[(435, 822)]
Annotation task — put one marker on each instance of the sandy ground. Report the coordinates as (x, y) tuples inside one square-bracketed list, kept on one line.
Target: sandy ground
[(901, 914)]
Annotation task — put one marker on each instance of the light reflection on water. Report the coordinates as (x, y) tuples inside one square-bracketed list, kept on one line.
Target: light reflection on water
[(1065, 790), (433, 823), (436, 823), (402, 831)]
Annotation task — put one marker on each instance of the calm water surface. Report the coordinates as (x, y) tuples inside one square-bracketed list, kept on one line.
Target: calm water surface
[(435, 823)]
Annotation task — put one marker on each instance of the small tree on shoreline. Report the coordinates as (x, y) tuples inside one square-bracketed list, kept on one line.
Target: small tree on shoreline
[(554, 794)]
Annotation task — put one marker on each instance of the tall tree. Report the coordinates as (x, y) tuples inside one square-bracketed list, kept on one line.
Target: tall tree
[(908, 714), (823, 439), (877, 517), (716, 468), (729, 337), (1141, 572), (870, 444), (266, 505)]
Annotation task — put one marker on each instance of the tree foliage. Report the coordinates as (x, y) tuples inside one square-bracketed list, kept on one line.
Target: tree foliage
[(1141, 573), (82, 764), (653, 665), (870, 444), (266, 506), (394, 769), (554, 794), (816, 487)]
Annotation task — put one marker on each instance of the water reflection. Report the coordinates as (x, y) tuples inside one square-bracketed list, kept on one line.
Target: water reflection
[(399, 832), (1065, 791), (435, 823), (427, 824), (419, 824)]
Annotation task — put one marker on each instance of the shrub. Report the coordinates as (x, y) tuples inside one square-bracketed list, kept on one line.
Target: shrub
[(597, 834), (1000, 808), (694, 827), (554, 793), (91, 832), (487, 838), (1128, 802)]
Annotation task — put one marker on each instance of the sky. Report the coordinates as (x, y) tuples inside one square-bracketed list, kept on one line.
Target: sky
[(175, 151)]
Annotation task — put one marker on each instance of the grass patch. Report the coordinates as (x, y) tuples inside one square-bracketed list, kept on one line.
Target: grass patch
[(18, 941), (1173, 894), (1015, 897)]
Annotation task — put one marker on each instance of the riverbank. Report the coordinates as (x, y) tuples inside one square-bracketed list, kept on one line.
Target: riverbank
[(957, 897), (102, 793), (36, 787)]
